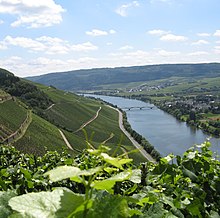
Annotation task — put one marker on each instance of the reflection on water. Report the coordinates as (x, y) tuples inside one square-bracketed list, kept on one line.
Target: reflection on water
[(166, 133)]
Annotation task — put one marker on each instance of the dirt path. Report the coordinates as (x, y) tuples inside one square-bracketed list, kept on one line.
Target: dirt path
[(4, 99), (22, 129), (65, 140), (110, 137), (135, 143), (50, 107), (88, 122)]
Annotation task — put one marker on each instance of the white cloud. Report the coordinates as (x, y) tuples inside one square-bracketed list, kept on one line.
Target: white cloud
[(158, 32), (123, 9), (173, 38), (112, 31), (54, 45), (87, 46), (32, 13), (198, 53), (168, 53), (126, 47), (204, 34), (96, 32), (3, 46), (136, 56), (200, 42), (217, 49), (25, 43), (218, 42), (1, 22), (41, 65), (130, 58), (46, 44), (217, 33)]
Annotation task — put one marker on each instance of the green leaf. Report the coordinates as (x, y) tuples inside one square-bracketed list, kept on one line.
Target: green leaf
[(186, 201), (63, 172), (107, 184), (170, 215), (190, 174), (18, 215), (156, 211), (124, 161), (135, 176), (214, 214), (5, 210), (191, 154), (90, 172), (144, 201), (35, 205), (111, 160), (194, 208), (70, 202), (26, 174), (133, 212), (167, 159), (109, 206), (3, 185), (110, 169)]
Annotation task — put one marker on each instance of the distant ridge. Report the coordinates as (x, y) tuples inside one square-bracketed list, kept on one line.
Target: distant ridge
[(90, 79)]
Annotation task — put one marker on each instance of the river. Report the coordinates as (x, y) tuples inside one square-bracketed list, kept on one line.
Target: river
[(162, 130)]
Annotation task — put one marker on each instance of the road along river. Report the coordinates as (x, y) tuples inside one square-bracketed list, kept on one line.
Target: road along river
[(163, 131)]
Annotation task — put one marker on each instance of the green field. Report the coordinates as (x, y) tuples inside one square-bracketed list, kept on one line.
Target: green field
[(40, 135), (12, 115), (71, 111), (67, 112)]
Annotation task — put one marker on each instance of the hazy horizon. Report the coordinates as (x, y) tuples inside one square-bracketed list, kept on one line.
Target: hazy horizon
[(39, 37)]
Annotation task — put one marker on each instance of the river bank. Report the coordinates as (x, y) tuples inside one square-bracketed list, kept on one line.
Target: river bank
[(134, 142), (162, 130)]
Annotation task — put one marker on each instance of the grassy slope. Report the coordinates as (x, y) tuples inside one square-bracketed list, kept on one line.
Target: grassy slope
[(12, 115), (71, 111), (39, 135)]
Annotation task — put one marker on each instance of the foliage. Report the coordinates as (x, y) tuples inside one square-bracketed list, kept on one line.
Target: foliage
[(27, 92), (96, 184), (201, 118)]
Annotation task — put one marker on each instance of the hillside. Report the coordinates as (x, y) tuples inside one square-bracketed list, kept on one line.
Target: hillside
[(94, 79), (44, 118)]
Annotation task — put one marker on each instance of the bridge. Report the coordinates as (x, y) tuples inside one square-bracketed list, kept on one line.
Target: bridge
[(138, 107)]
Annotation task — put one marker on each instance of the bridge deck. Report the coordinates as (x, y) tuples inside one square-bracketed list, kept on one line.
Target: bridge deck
[(138, 107)]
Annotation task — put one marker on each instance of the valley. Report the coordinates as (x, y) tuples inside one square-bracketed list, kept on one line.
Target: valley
[(71, 148), (59, 121)]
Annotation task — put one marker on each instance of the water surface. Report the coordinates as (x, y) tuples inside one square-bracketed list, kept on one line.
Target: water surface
[(163, 131)]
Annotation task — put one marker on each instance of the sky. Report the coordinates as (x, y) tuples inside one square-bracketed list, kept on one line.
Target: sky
[(43, 36)]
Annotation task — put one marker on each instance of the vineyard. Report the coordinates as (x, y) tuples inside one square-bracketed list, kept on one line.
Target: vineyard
[(11, 118), (98, 183)]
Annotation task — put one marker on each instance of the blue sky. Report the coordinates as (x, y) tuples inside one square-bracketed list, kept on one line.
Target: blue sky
[(42, 36)]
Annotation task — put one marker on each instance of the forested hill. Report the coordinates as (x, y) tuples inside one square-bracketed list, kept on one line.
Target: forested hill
[(92, 78), (26, 91)]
